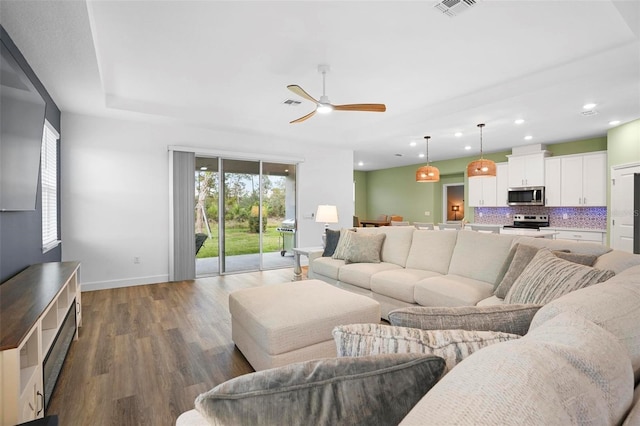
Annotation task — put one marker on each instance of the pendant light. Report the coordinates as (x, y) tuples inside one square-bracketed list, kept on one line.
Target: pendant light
[(481, 167), (427, 173)]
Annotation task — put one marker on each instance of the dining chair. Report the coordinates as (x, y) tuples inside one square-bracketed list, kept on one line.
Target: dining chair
[(383, 217), (449, 226), (396, 218), (399, 223), (423, 225), (356, 222)]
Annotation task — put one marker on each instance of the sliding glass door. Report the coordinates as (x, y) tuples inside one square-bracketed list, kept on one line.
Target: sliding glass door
[(245, 215)]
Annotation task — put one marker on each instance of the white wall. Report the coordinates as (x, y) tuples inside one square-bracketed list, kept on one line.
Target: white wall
[(115, 192)]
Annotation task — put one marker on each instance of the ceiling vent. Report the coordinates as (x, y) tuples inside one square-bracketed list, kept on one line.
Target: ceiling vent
[(453, 8), (589, 113), (291, 102)]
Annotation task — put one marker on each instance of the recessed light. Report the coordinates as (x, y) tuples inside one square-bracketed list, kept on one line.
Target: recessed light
[(588, 106), (457, 134), (519, 121), (467, 147), (203, 168), (360, 163), (286, 170), (421, 155), (614, 122), (528, 138), (413, 144)]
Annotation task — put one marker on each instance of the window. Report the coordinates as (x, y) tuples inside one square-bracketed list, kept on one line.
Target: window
[(49, 177)]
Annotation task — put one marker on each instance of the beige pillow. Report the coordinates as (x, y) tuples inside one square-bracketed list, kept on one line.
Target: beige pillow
[(343, 244), (364, 248), (548, 277)]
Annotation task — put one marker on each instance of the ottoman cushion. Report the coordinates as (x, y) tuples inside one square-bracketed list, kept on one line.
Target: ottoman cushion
[(285, 317)]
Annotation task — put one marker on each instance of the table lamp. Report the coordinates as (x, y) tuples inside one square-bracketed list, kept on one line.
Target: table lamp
[(327, 214)]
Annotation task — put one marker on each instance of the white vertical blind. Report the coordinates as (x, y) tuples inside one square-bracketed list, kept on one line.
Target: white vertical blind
[(49, 178)]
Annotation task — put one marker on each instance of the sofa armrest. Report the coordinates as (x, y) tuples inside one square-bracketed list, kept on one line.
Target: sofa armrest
[(514, 319), (314, 255)]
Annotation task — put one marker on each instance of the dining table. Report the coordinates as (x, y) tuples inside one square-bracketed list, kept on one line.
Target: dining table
[(374, 222)]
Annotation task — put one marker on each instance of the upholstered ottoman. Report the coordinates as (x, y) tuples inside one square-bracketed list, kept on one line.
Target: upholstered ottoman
[(284, 323)]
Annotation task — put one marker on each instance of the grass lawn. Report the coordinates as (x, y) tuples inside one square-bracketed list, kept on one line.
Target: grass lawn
[(240, 241)]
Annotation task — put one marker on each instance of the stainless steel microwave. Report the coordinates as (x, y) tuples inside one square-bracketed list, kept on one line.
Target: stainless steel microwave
[(526, 196)]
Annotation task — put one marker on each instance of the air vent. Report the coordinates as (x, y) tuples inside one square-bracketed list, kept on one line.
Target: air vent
[(453, 8), (291, 102), (589, 113)]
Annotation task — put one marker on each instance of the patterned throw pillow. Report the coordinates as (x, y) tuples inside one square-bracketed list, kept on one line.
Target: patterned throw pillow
[(522, 256), (343, 244), (548, 277), (364, 248), (332, 391), (356, 340)]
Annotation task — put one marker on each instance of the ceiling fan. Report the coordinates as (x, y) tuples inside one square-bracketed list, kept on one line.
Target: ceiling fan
[(323, 106)]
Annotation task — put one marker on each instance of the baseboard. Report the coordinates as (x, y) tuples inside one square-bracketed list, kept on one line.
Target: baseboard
[(103, 285)]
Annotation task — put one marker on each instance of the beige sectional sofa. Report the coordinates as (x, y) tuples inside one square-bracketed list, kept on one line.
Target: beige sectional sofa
[(443, 268)]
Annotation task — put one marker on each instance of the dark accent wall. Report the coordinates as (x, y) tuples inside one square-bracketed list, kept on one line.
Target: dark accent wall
[(21, 232)]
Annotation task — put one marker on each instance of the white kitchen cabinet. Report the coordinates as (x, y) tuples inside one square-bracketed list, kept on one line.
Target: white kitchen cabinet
[(502, 184), (527, 170), (552, 178), (583, 180), (482, 191), (584, 235)]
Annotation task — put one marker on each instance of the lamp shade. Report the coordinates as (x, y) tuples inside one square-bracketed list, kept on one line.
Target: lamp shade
[(455, 208), (481, 167), (327, 214), (427, 173)]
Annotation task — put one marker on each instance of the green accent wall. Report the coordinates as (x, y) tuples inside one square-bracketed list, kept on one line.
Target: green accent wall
[(395, 191)]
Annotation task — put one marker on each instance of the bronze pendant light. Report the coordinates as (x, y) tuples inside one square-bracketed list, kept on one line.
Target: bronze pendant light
[(427, 173), (481, 167)]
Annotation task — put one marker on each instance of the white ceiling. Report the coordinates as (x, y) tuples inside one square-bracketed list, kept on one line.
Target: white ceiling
[(226, 65)]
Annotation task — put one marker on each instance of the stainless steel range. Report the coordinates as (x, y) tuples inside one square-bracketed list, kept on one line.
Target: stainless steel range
[(529, 221)]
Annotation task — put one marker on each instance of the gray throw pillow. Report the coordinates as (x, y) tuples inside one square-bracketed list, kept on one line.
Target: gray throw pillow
[(331, 242), (364, 248), (582, 259), (548, 277), (513, 319), (521, 258), (333, 391)]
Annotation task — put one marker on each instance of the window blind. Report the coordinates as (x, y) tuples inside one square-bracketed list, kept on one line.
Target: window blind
[(49, 179)]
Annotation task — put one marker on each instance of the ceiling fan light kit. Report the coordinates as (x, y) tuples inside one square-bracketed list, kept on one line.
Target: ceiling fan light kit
[(427, 173), (323, 106), (481, 167)]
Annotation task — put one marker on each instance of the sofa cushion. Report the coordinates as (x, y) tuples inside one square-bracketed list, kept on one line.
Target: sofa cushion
[(513, 319), (617, 261), (326, 266), (567, 372), (324, 392), (548, 277), (359, 274), (397, 243), (480, 256), (399, 283), (364, 248), (343, 244), (613, 305), (331, 242), (431, 250), (354, 340), (451, 290)]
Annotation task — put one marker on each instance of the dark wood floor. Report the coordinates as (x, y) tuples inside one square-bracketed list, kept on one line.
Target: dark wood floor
[(144, 353)]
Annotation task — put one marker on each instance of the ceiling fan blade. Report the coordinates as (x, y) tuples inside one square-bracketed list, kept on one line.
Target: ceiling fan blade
[(361, 107), (300, 92), (298, 120)]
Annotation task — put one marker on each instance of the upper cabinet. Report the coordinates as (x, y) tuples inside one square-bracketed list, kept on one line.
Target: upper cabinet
[(489, 191), (583, 181), (552, 178), (502, 184), (527, 169)]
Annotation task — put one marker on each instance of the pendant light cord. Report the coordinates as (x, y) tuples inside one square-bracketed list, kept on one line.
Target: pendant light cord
[(481, 126)]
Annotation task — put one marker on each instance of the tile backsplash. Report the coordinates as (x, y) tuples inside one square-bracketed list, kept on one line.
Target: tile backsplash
[(577, 217)]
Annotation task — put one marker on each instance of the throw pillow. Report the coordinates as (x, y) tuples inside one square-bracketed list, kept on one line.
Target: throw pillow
[(343, 244), (356, 340), (521, 258), (364, 248), (582, 259), (548, 277), (331, 391), (331, 242), (513, 319)]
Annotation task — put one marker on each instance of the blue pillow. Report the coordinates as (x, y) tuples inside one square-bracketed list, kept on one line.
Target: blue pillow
[(331, 242)]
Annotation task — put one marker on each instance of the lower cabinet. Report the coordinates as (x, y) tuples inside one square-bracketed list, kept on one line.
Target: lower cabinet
[(580, 235)]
